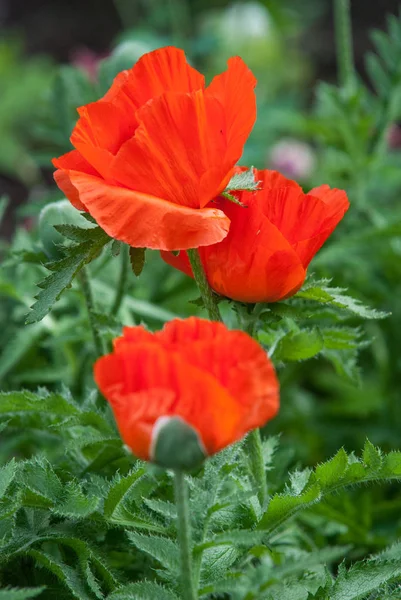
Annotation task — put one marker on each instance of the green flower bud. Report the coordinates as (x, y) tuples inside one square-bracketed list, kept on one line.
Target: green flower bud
[(176, 445), (58, 213)]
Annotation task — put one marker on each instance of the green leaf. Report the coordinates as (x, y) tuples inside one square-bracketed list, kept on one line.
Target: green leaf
[(244, 181), (77, 234), (164, 550), (20, 593), (144, 590), (7, 474), (364, 578), (3, 206), (64, 271), (71, 578), (341, 471), (120, 491), (137, 259), (299, 345), (319, 291), (75, 505)]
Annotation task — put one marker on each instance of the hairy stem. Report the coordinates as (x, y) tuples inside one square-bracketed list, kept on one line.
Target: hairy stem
[(203, 285), (87, 291), (255, 455), (184, 537), (121, 281), (344, 46)]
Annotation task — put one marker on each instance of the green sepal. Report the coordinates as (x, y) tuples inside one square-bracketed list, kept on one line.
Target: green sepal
[(176, 445)]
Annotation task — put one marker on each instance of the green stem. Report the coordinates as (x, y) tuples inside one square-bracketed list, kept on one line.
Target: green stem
[(121, 281), (206, 291), (255, 455), (344, 47), (184, 537), (87, 291)]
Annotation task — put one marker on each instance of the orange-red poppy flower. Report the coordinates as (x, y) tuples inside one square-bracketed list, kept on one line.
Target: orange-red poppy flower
[(271, 241), (218, 382), (157, 148)]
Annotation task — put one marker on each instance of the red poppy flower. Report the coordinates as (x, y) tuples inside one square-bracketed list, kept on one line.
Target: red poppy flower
[(220, 383), (151, 154), (271, 240)]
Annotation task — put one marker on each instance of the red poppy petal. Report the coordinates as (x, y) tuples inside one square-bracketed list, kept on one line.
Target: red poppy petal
[(254, 263), (162, 70), (234, 359), (72, 160), (101, 124), (234, 89), (179, 262), (147, 382), (144, 221), (155, 73), (177, 150), (274, 180), (300, 217)]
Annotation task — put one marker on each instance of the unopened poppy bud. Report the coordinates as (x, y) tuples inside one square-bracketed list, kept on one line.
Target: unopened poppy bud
[(176, 445), (58, 213)]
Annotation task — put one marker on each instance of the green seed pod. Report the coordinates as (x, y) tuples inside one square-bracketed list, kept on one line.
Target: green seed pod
[(176, 445)]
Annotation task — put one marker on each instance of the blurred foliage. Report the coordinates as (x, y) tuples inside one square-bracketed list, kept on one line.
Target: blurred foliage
[(23, 87), (339, 362)]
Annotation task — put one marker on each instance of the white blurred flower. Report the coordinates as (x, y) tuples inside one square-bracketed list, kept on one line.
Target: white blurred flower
[(293, 158), (245, 20)]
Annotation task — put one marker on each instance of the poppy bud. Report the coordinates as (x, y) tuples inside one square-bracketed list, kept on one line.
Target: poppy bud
[(176, 445)]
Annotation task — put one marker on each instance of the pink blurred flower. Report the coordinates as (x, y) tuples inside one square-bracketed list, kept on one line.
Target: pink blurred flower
[(394, 136), (87, 60), (293, 158)]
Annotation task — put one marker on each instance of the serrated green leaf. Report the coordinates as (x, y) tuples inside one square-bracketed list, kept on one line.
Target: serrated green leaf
[(71, 578), (299, 345), (319, 291), (78, 234), (244, 181), (144, 590), (364, 578), (75, 505), (7, 474), (164, 550), (21, 593), (64, 271), (165, 509), (341, 471), (120, 490), (137, 259)]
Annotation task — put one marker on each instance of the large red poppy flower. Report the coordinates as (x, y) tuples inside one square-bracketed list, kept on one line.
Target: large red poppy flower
[(151, 154), (271, 240), (219, 382)]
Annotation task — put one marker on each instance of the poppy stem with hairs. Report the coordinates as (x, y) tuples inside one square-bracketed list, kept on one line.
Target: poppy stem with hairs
[(87, 291), (255, 454), (188, 590), (206, 291), (121, 281), (254, 441)]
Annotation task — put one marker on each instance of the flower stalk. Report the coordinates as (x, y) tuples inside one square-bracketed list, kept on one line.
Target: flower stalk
[(87, 292), (188, 590), (121, 281), (257, 464), (205, 290), (344, 47)]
